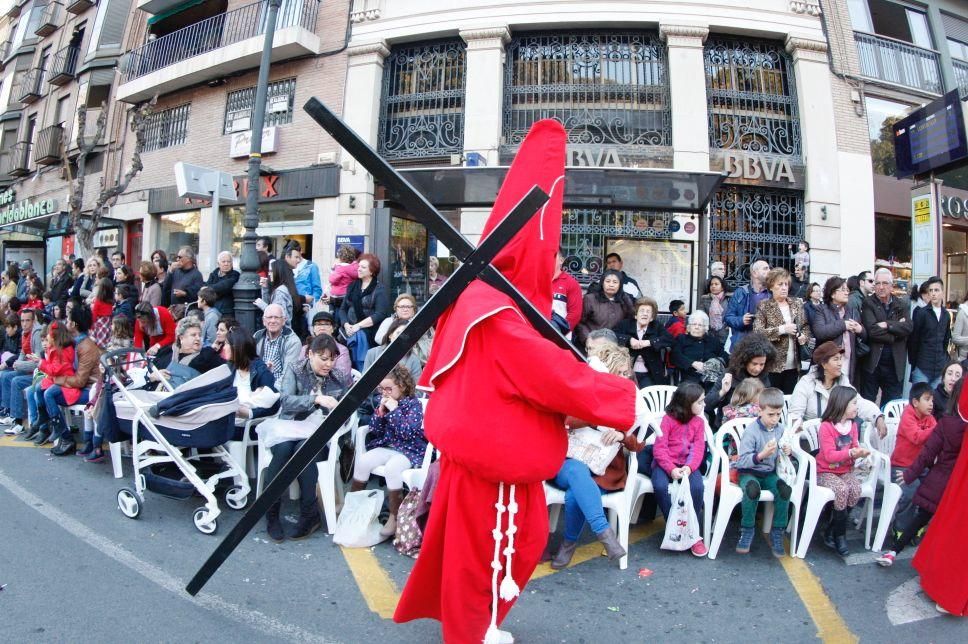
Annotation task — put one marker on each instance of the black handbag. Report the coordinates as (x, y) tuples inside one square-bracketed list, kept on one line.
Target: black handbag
[(861, 348)]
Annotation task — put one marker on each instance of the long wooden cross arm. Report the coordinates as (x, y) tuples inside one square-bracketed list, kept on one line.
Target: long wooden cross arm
[(418, 206), (474, 263)]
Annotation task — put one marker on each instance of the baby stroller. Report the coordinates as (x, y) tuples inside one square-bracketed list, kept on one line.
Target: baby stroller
[(186, 429)]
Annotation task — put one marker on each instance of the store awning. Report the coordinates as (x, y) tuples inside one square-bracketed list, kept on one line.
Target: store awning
[(171, 12), (53, 225), (645, 188)]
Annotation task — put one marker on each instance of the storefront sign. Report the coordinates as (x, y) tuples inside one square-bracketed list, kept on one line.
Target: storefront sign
[(593, 158), (954, 207), (747, 165), (241, 142), (27, 209), (109, 238), (7, 197), (286, 185), (355, 241)]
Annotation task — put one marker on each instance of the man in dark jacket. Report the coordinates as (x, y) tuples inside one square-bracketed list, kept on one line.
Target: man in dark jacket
[(928, 342), (60, 283), (185, 279), (222, 280), (742, 306), (888, 325)]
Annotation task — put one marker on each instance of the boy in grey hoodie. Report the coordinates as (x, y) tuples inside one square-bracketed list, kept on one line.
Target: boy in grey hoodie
[(757, 472)]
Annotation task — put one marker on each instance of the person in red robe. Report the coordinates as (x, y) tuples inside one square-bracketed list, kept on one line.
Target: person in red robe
[(941, 558), (501, 393)]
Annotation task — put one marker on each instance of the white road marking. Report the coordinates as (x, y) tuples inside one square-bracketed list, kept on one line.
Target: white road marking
[(907, 603), (156, 575)]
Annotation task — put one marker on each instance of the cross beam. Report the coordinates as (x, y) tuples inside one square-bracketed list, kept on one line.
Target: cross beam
[(474, 263)]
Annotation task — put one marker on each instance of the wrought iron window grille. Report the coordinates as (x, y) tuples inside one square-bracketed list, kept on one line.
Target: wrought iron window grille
[(752, 97), (422, 110), (749, 224), (167, 128), (279, 105)]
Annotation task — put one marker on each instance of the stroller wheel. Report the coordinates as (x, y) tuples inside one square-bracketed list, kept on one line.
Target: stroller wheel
[(128, 503), (204, 527), (235, 499)]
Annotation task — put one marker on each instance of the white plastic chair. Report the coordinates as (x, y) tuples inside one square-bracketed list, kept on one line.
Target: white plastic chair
[(243, 451), (890, 495), (643, 482), (730, 494), (657, 398), (819, 496), (892, 419), (115, 448), (785, 415), (618, 505), (414, 477)]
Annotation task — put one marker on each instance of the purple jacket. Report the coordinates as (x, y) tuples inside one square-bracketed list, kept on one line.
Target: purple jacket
[(940, 453), (400, 430)]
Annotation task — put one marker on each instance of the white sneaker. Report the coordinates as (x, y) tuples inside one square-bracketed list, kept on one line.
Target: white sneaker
[(7, 420), (941, 610), (13, 430)]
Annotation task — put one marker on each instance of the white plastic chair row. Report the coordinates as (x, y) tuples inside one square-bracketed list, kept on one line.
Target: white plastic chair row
[(115, 448)]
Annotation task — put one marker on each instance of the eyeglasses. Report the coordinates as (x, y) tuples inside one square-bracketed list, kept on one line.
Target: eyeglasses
[(869, 281), (385, 390), (405, 306)]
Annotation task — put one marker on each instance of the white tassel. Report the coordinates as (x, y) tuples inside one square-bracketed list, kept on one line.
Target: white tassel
[(493, 635), (509, 587)]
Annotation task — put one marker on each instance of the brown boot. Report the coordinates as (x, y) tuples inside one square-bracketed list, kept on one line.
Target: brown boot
[(357, 486), (565, 552), (390, 527), (613, 549)]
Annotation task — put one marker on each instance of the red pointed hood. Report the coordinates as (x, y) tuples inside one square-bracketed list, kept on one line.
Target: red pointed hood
[(528, 260)]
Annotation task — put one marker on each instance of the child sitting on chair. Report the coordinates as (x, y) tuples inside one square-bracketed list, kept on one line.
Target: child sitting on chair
[(937, 457), (916, 426), (745, 400), (758, 455), (839, 449), (396, 440)]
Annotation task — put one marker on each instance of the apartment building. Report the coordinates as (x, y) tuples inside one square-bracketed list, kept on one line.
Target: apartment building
[(896, 56)]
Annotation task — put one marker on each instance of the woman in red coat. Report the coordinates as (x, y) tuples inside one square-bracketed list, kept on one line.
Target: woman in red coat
[(154, 328), (500, 396), (942, 559)]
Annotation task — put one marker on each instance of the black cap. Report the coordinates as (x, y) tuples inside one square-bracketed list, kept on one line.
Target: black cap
[(323, 316)]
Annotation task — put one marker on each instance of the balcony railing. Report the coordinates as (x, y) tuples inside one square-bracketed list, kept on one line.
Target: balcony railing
[(65, 62), (48, 150), (30, 88), (898, 62), (51, 19), (78, 7), (216, 32), (13, 10), (961, 74), (20, 159)]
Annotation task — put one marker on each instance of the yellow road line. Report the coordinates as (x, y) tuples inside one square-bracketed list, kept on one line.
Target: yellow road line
[(831, 627), (11, 441), (593, 550), (375, 585)]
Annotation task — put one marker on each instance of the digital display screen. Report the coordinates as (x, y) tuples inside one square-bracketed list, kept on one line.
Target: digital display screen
[(931, 137)]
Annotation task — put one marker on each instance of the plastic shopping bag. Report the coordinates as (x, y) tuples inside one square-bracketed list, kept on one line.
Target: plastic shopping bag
[(785, 468), (358, 525), (682, 527)]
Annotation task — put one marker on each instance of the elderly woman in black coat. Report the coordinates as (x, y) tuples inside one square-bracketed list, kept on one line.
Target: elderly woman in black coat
[(645, 338), (835, 321), (694, 348), (605, 308)]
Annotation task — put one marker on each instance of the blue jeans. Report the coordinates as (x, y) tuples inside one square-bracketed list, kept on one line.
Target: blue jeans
[(660, 484), (16, 399), (53, 400), (919, 376), (6, 378), (583, 499), (33, 395)]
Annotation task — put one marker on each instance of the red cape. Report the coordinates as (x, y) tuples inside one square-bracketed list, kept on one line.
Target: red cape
[(941, 558), (500, 396)]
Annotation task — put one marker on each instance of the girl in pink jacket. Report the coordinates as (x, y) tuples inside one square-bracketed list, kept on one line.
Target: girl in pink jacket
[(343, 274), (835, 462), (680, 450)]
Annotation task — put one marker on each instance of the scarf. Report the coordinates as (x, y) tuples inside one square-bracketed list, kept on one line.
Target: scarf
[(716, 311), (843, 427)]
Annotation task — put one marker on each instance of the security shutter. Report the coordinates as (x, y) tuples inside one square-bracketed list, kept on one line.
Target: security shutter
[(955, 28)]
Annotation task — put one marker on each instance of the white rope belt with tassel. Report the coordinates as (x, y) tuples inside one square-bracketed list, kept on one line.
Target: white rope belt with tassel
[(509, 588)]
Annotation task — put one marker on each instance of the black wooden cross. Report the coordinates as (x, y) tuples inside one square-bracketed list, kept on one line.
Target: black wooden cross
[(475, 263)]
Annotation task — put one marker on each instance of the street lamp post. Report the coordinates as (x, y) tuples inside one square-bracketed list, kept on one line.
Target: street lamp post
[(247, 288)]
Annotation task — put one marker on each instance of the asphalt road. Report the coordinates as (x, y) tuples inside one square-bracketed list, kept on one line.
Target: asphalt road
[(76, 569)]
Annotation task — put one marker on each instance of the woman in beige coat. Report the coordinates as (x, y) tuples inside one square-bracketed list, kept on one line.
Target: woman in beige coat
[(783, 320)]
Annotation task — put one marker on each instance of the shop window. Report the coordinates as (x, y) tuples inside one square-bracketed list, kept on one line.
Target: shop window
[(881, 117), (751, 92), (422, 110), (177, 230), (167, 128), (279, 104), (749, 224), (607, 88)]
